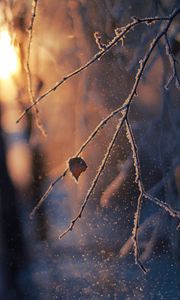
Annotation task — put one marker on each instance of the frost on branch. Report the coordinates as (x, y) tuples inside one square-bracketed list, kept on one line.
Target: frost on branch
[(76, 164)]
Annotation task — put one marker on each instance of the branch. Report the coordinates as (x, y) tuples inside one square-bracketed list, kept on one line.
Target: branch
[(123, 107), (95, 180), (28, 69), (84, 145), (43, 198), (119, 34), (148, 223), (127, 103), (144, 61), (124, 119), (138, 180), (172, 212)]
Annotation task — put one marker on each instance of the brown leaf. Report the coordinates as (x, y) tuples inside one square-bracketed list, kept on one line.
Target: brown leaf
[(77, 165)]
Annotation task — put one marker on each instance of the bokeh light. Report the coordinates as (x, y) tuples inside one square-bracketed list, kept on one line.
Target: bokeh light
[(9, 63)]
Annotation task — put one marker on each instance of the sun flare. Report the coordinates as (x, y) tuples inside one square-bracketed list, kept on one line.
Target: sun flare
[(9, 63)]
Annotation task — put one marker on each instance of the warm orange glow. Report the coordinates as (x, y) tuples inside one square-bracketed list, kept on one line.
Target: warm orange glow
[(9, 63)]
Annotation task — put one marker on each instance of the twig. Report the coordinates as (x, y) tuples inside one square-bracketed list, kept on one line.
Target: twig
[(28, 69), (148, 223), (95, 180), (98, 40), (132, 142), (144, 61), (173, 63), (172, 212), (118, 36), (40, 202), (84, 145), (150, 220)]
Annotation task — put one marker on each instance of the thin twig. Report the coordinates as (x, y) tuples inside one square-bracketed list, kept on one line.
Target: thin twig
[(150, 220), (95, 180), (40, 202), (118, 36), (137, 214), (28, 69), (144, 61), (84, 145), (172, 212), (148, 223), (173, 63)]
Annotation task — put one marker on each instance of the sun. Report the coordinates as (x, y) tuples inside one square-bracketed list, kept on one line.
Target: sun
[(9, 63)]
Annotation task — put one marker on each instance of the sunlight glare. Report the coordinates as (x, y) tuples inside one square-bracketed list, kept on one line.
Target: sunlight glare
[(8, 56)]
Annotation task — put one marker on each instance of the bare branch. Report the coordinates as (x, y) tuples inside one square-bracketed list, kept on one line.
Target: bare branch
[(138, 180), (28, 69), (173, 213), (41, 201), (124, 109), (119, 34), (95, 180), (148, 223), (125, 106), (84, 145), (98, 40)]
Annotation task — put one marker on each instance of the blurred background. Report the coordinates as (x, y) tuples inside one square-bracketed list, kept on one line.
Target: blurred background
[(95, 260)]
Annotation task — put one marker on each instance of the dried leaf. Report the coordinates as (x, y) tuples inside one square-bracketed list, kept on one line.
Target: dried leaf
[(77, 165)]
